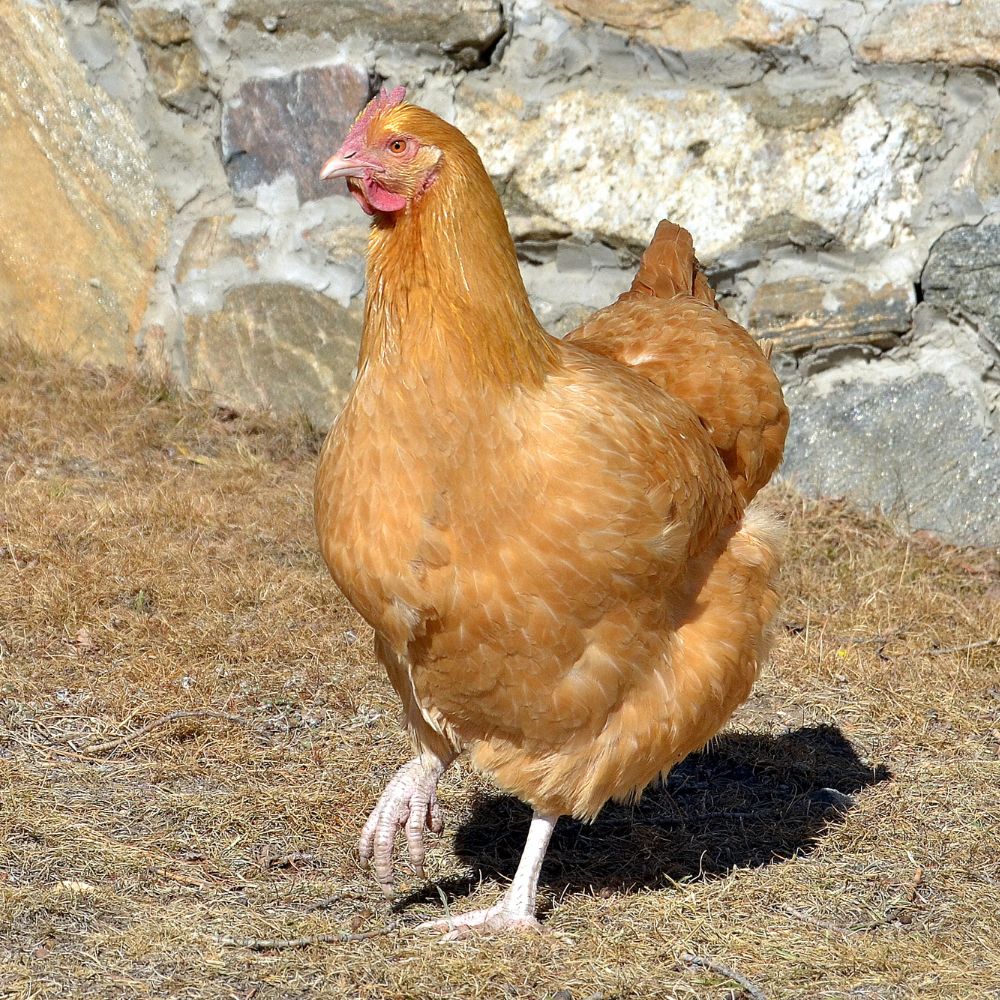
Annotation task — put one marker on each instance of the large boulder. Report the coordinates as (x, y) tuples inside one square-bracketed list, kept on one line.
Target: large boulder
[(81, 219), (614, 162), (277, 346)]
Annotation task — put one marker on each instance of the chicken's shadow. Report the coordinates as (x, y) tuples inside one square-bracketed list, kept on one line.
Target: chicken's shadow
[(748, 800)]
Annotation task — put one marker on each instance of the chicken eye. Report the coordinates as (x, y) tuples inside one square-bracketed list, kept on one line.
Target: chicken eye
[(397, 145)]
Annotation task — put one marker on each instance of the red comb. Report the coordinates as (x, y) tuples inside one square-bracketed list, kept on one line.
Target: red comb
[(379, 103), (384, 101)]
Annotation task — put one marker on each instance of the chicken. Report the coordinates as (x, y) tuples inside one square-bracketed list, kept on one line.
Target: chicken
[(551, 539)]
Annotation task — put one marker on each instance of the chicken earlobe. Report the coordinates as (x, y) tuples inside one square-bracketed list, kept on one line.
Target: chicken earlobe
[(409, 802), (516, 911)]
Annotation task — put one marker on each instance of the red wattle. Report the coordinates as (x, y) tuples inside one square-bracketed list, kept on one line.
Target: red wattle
[(382, 200)]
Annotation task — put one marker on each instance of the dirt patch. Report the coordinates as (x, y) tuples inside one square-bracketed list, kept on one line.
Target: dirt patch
[(841, 839)]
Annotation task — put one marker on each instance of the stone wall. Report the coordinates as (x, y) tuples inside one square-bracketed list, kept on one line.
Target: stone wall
[(837, 163)]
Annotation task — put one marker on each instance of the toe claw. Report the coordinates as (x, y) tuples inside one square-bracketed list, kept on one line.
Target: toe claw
[(364, 854), (435, 819)]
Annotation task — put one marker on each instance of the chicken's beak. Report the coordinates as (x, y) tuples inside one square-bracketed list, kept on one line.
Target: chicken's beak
[(341, 165)]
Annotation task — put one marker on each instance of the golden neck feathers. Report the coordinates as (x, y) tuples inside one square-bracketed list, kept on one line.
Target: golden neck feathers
[(444, 288)]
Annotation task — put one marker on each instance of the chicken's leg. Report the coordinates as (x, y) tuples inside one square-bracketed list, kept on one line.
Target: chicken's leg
[(516, 911), (409, 801)]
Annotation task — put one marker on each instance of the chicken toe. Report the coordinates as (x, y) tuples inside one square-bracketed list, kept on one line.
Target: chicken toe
[(495, 920), (409, 802)]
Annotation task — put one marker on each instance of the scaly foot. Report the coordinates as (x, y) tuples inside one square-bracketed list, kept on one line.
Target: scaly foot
[(408, 802), (496, 919), (516, 911)]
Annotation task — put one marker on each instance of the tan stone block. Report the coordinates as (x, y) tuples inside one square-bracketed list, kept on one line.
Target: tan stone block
[(81, 221), (965, 34), (691, 27), (450, 24), (174, 64), (161, 27), (986, 170), (178, 77)]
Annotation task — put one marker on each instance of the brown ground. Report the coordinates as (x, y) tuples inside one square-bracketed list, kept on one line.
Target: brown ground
[(156, 556)]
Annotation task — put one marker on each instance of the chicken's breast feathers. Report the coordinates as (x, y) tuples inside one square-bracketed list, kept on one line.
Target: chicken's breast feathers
[(526, 569)]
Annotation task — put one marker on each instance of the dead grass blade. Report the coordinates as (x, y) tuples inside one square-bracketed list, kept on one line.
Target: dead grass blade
[(164, 720), (696, 962), (964, 648), (282, 944)]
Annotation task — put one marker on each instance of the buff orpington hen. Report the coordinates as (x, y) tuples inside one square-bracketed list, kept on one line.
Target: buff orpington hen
[(551, 539)]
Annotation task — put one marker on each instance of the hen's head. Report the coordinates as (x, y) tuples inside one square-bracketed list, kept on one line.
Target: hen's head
[(389, 157)]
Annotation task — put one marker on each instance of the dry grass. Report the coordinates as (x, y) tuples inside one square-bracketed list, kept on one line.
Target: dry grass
[(156, 557)]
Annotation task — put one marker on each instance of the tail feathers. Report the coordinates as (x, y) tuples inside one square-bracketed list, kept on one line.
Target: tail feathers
[(669, 267)]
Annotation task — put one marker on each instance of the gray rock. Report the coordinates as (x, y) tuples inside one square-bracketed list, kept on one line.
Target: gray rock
[(451, 25), (291, 124), (794, 111), (915, 446), (806, 314), (962, 275), (276, 346), (782, 228)]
